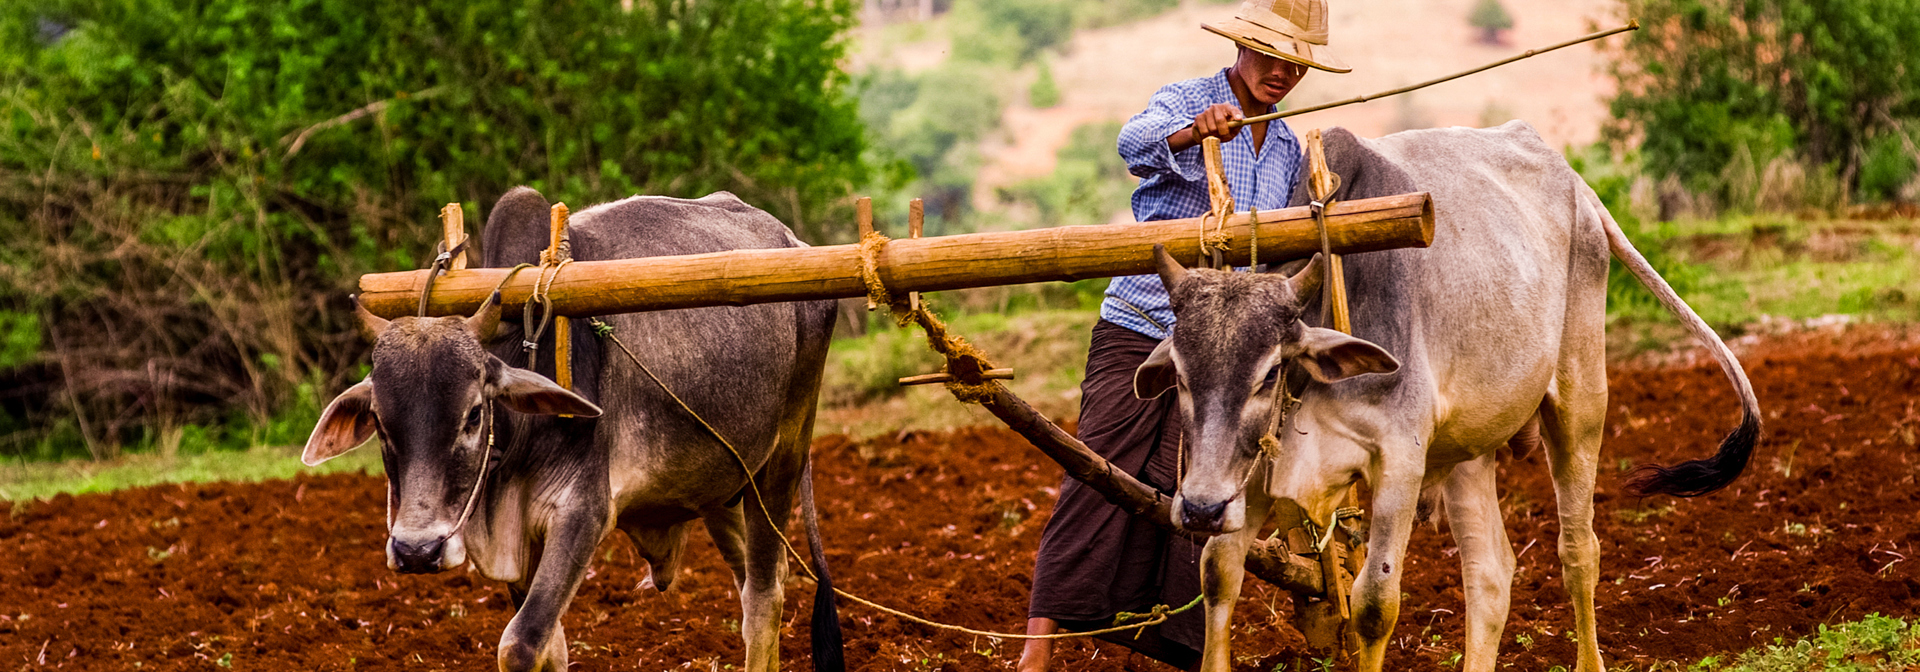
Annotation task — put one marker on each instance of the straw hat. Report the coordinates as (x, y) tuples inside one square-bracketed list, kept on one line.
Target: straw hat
[(1291, 30)]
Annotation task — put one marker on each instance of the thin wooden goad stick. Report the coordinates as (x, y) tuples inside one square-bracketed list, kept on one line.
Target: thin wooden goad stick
[(1633, 24)]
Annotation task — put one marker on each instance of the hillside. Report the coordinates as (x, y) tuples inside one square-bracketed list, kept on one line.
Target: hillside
[(1109, 73)]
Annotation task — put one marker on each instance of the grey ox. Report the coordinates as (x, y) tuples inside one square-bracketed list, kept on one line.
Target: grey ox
[(1495, 332), (481, 466)]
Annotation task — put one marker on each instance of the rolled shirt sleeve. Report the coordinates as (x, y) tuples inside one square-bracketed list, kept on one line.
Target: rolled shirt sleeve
[(1143, 141)]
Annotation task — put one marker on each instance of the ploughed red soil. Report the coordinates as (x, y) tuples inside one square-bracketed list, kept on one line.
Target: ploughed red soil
[(289, 575)]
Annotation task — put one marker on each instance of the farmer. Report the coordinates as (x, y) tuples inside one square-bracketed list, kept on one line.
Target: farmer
[(1094, 559)]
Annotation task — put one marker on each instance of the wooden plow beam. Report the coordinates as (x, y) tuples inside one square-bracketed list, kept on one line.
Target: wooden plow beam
[(744, 277)]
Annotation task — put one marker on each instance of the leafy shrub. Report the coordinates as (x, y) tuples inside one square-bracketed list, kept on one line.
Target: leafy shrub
[(1044, 92), (1490, 17), (1890, 165), (1706, 79), (189, 187)]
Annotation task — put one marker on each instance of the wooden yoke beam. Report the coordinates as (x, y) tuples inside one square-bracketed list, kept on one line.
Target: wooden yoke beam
[(745, 277)]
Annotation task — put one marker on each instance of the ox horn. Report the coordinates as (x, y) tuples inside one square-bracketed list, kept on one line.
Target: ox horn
[(487, 319), (1171, 272), (371, 325), (1306, 283)]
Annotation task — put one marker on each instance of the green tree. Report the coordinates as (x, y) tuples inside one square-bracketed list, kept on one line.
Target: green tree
[(1490, 17), (1044, 92), (189, 188), (1706, 82)]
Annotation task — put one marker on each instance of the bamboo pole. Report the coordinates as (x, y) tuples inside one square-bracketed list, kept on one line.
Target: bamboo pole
[(744, 277), (1633, 24)]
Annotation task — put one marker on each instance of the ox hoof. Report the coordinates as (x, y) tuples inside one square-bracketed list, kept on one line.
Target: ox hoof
[(523, 657)]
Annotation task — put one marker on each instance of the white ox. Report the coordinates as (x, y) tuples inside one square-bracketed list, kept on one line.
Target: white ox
[(1498, 325)]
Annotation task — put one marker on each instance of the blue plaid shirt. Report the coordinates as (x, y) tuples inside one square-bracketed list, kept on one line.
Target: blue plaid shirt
[(1174, 186)]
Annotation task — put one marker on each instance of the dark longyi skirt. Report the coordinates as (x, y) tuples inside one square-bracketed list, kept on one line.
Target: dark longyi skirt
[(1095, 560)]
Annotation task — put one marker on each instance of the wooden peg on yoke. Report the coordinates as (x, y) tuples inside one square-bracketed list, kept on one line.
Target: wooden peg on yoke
[(916, 220), (863, 215), (453, 225), (1221, 199), (562, 331)]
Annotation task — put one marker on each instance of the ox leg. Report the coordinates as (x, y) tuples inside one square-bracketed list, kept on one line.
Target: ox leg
[(763, 591), (534, 640), (1223, 567), (728, 528), (1376, 592), (1573, 431), (1486, 557)]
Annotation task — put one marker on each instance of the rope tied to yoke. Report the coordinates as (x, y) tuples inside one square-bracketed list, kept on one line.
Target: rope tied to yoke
[(966, 363)]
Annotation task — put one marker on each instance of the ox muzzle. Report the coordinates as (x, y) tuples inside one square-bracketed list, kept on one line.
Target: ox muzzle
[(1199, 513), (424, 553)]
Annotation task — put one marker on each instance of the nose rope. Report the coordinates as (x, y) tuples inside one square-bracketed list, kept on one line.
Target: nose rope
[(479, 479), (473, 494)]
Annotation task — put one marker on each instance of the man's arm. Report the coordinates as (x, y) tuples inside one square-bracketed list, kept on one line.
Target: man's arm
[(1159, 139)]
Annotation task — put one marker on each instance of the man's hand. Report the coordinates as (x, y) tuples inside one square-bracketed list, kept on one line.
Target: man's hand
[(1213, 122)]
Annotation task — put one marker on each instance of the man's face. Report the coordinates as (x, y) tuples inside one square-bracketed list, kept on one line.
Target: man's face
[(1269, 79)]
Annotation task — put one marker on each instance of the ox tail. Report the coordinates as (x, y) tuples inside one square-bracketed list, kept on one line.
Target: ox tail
[(829, 653), (1691, 478)]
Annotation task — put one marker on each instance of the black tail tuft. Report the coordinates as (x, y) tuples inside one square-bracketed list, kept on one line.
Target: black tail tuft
[(1694, 478), (829, 654)]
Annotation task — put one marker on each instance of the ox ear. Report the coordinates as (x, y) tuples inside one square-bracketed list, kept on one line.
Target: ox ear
[(346, 424), (1158, 374), (486, 320), (531, 393), (1171, 272), (1329, 355), (370, 324)]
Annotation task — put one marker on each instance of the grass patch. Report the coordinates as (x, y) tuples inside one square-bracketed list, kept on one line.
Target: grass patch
[(1872, 644), (1741, 271), (20, 481)]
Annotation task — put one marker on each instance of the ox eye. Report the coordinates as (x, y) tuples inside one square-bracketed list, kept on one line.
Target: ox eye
[(473, 419), (1272, 375)]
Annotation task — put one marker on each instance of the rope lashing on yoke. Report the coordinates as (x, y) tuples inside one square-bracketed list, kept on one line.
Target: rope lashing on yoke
[(966, 363)]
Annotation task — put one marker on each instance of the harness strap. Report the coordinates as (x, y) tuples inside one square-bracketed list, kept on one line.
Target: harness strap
[(1322, 182), (441, 260)]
